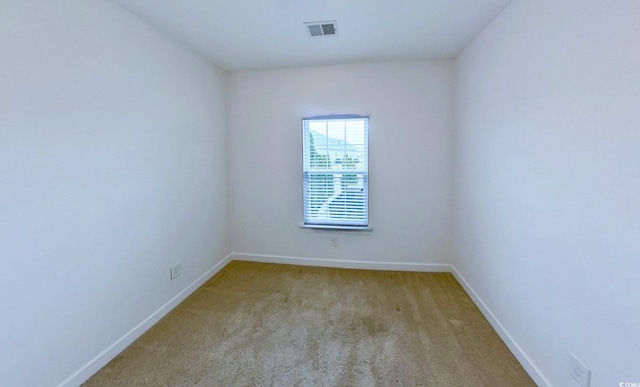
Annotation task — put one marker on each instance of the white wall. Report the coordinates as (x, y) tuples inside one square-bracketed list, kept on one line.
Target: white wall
[(547, 181), (112, 168), (410, 104)]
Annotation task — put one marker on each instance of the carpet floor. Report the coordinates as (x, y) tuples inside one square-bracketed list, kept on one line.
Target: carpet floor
[(256, 324)]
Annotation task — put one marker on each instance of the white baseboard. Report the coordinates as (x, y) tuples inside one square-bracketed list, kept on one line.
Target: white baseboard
[(95, 364), (104, 357), (526, 362), (344, 263)]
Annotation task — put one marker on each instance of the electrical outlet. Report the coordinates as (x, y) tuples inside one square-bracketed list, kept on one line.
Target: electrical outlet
[(579, 372), (175, 270), (334, 242)]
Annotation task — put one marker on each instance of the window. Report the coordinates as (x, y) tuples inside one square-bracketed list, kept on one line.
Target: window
[(336, 171)]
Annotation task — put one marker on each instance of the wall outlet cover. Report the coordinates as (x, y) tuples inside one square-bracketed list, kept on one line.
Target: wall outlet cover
[(175, 270), (579, 372)]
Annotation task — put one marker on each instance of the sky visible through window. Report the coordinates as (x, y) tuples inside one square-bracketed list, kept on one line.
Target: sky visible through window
[(338, 138)]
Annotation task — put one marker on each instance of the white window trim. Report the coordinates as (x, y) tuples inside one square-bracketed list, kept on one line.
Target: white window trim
[(365, 228), (335, 227)]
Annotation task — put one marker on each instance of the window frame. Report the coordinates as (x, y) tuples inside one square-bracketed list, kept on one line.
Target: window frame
[(347, 224)]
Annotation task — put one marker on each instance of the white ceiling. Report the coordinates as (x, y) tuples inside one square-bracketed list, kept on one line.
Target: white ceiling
[(259, 34)]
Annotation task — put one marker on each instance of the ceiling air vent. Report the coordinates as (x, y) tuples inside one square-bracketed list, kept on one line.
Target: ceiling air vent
[(323, 28)]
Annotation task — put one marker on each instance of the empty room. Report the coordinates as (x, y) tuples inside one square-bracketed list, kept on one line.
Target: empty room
[(320, 193)]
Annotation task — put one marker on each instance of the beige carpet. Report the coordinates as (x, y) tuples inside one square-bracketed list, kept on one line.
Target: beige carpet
[(281, 325)]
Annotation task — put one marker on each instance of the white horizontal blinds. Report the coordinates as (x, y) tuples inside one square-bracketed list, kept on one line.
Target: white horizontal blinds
[(336, 171)]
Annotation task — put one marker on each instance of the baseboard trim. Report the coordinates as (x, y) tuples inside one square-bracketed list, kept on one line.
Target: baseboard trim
[(104, 357), (526, 362), (344, 263)]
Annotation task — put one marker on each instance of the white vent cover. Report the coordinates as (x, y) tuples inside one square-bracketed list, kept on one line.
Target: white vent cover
[(322, 28)]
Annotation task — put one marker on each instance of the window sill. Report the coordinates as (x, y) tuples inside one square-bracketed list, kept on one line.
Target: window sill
[(336, 228)]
